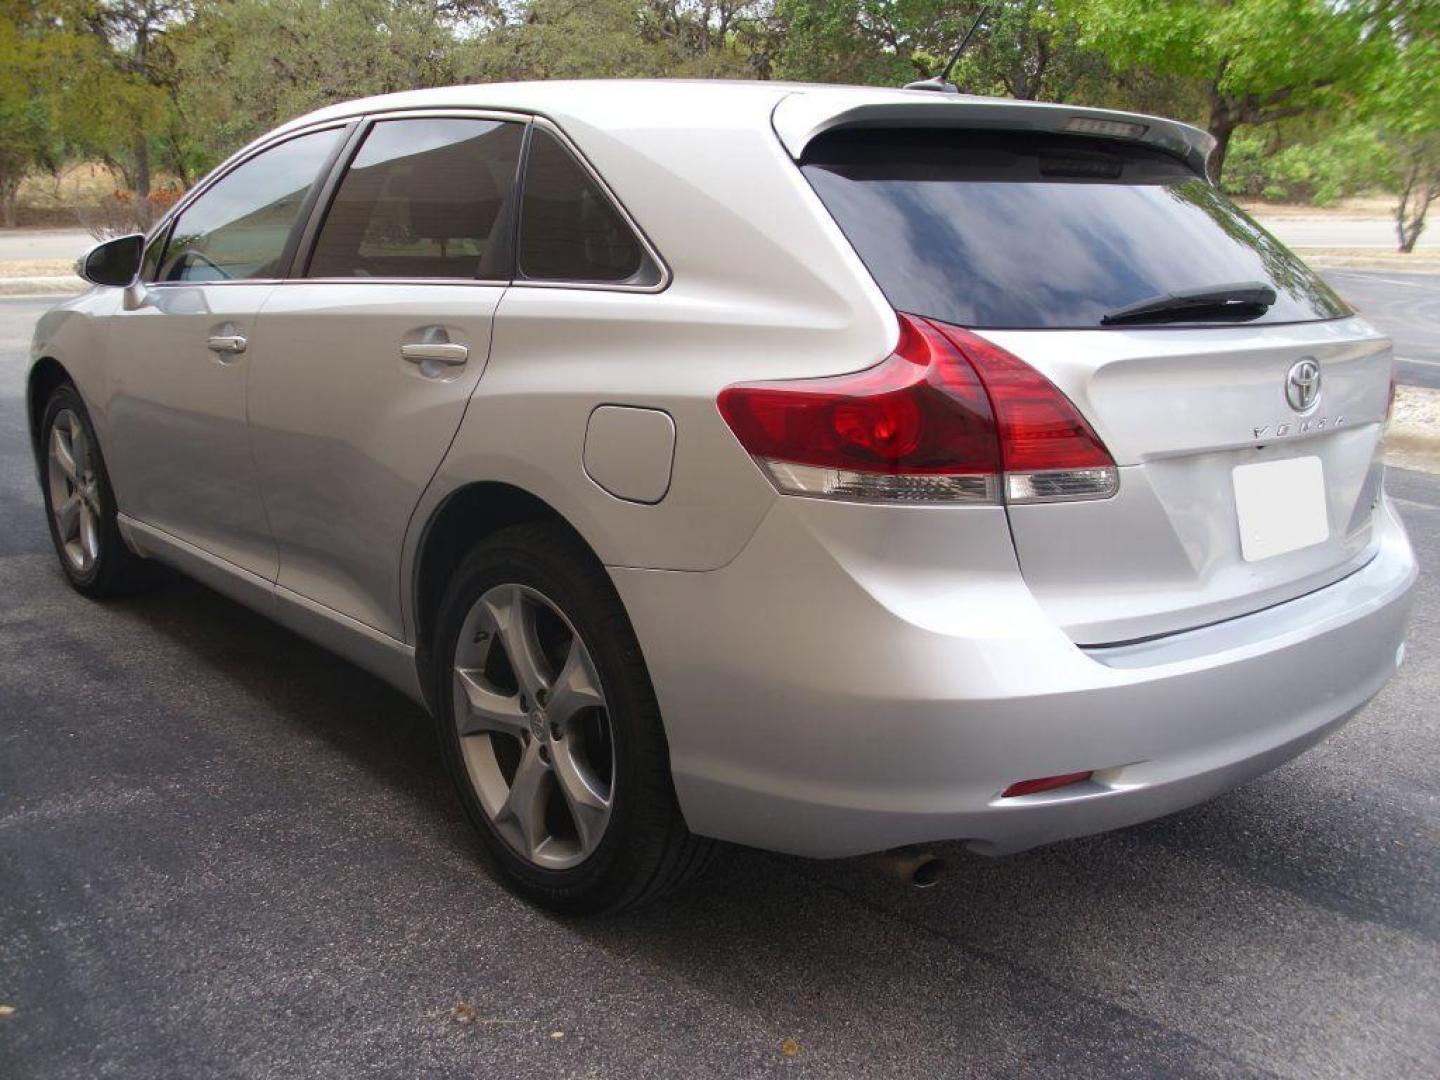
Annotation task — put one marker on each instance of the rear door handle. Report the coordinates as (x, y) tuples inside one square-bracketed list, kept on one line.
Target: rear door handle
[(441, 352), (227, 343)]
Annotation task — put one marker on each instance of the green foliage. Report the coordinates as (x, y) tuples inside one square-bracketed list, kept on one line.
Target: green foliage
[(1024, 49), (244, 66), (1319, 172), (1405, 102), (1257, 60), (58, 96), (188, 81)]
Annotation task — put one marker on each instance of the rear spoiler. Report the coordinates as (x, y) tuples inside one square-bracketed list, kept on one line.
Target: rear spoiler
[(800, 116)]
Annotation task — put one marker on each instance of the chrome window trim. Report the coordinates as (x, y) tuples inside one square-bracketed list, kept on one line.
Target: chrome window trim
[(364, 120), (489, 282), (666, 276)]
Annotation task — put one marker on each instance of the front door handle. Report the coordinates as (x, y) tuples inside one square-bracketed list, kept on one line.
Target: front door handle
[(227, 343), (441, 352)]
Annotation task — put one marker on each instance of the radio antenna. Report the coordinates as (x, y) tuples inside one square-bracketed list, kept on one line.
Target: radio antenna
[(941, 83)]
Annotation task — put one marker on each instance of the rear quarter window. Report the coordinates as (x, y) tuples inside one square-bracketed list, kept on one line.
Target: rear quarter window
[(1028, 230), (569, 229)]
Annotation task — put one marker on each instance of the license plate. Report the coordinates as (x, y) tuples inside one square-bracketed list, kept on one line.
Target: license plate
[(1280, 506)]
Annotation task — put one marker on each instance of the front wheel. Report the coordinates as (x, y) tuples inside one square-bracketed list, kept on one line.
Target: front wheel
[(80, 502), (551, 730)]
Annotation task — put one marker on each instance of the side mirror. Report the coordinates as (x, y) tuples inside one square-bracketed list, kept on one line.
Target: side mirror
[(115, 262)]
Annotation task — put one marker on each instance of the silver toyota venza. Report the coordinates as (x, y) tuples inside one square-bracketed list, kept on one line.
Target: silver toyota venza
[(828, 470)]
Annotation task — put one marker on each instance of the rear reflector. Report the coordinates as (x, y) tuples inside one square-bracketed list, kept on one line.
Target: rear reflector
[(948, 417), (1044, 783)]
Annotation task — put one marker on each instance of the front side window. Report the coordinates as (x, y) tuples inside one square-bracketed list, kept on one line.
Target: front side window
[(569, 228), (424, 198), (238, 228)]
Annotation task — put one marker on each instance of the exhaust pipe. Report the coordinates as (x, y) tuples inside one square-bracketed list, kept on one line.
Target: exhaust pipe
[(918, 869)]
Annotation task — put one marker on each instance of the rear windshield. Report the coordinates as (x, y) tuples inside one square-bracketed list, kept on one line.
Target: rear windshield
[(1031, 230)]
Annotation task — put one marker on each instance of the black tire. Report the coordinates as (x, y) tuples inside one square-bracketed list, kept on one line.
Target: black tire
[(114, 569), (646, 849)]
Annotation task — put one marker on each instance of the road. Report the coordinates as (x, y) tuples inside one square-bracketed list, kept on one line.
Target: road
[(224, 852), (1405, 306), (27, 244), (1331, 231)]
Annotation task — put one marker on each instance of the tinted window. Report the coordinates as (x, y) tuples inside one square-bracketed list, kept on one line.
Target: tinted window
[(569, 229), (424, 198), (1027, 230), (238, 228)]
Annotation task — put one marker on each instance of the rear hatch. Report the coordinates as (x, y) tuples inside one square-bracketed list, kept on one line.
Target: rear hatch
[(1246, 423)]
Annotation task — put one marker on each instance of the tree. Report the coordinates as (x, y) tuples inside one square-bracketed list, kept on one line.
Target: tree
[(56, 94), (282, 58), (1024, 49), (133, 33), (1406, 104), (27, 136), (1257, 60)]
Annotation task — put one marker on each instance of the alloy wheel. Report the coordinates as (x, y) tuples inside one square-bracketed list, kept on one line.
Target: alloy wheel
[(534, 726), (74, 491)]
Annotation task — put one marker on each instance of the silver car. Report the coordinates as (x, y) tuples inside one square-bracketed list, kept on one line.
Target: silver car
[(829, 470)]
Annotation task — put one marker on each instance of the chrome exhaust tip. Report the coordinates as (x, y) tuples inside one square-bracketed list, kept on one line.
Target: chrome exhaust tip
[(917, 869)]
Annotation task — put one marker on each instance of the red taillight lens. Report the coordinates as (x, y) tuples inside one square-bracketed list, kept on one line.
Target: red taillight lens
[(939, 420), (1039, 427), (1044, 783), (921, 410)]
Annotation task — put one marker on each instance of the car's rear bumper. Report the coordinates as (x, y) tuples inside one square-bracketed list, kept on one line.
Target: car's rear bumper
[(837, 690)]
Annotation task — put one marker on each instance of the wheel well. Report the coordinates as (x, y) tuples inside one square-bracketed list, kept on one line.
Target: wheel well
[(45, 375), (463, 520)]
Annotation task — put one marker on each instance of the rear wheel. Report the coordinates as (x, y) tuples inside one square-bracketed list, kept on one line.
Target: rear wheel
[(80, 503), (551, 730)]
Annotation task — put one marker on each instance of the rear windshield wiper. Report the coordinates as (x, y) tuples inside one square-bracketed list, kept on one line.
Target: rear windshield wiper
[(1244, 299)]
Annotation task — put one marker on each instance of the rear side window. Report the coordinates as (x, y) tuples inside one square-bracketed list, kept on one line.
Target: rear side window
[(569, 228), (423, 198), (238, 228), (1029, 230)]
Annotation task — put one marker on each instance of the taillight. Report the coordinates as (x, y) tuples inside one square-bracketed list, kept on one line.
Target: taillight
[(947, 417)]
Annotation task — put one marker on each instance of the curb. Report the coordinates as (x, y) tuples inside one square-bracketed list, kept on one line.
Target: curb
[(1412, 440)]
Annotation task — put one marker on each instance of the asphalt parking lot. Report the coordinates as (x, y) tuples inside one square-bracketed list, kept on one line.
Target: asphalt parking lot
[(224, 852), (1404, 305)]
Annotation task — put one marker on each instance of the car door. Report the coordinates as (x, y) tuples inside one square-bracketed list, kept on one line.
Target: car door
[(373, 351), (178, 353)]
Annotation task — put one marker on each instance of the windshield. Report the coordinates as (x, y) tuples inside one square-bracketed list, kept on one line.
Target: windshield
[(1036, 230)]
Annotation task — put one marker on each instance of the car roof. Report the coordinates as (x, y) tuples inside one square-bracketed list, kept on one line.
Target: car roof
[(797, 111)]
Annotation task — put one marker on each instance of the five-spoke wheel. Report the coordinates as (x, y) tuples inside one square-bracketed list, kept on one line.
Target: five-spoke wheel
[(535, 730), (74, 491), (550, 727), (80, 502)]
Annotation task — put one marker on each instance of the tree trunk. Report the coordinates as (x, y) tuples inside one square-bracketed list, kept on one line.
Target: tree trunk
[(1410, 230), (9, 196), (1414, 202), (142, 166), (1224, 119), (1222, 130)]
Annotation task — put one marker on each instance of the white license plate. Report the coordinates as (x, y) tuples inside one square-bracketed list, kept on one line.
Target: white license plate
[(1280, 506)]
